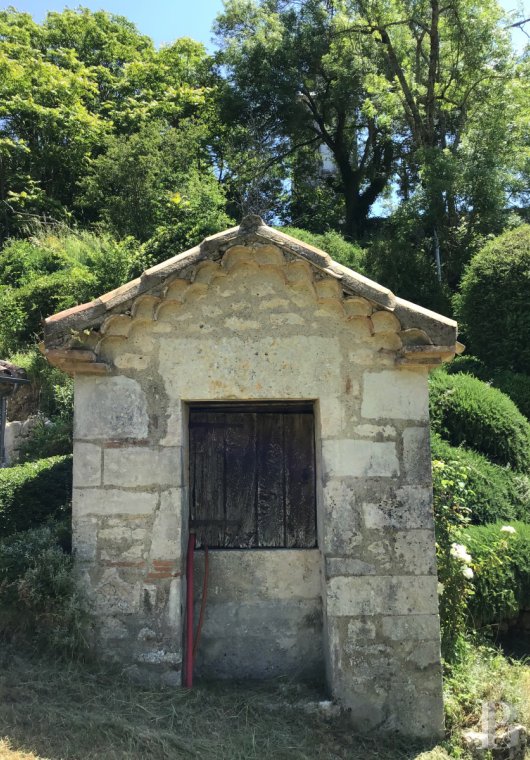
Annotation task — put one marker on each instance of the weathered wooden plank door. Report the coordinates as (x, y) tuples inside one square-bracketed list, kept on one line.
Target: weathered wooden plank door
[(252, 476)]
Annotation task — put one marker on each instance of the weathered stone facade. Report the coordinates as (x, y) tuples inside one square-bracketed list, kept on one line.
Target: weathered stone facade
[(254, 315)]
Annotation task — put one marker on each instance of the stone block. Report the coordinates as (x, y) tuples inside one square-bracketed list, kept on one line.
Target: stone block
[(348, 566), (395, 394), (142, 466), (261, 575), (112, 501), (411, 627), (87, 464), (109, 407), (408, 508), (114, 595), (414, 552), (84, 538), (417, 454), (341, 519), (166, 532), (378, 595), (354, 458)]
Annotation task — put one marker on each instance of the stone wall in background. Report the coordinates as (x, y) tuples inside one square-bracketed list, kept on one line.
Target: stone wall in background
[(17, 433)]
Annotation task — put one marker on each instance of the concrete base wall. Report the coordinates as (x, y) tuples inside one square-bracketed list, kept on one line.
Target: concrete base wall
[(263, 614)]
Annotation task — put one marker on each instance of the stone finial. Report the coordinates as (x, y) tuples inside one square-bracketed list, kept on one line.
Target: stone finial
[(250, 223)]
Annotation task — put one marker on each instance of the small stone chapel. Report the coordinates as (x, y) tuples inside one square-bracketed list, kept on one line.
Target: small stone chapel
[(275, 403)]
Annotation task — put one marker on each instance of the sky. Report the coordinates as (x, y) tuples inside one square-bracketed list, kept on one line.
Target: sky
[(162, 20), (165, 20)]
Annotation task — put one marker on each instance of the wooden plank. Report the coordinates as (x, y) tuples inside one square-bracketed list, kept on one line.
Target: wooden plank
[(300, 498), (207, 476), (270, 485), (240, 479)]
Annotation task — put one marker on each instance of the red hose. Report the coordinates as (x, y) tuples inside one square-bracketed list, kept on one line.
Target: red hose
[(203, 602), (188, 664)]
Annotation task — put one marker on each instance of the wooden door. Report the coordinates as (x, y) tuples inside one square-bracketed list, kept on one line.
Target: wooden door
[(252, 476)]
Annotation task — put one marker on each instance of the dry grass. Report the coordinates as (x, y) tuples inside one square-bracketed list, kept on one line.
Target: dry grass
[(56, 711)]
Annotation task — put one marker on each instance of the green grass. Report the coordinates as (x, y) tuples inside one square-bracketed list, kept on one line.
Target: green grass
[(60, 711), (57, 710)]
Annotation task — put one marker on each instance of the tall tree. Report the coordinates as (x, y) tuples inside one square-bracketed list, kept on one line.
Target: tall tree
[(308, 87), (67, 87)]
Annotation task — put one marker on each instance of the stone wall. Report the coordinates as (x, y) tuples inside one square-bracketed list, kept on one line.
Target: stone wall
[(17, 433), (261, 324), (263, 615)]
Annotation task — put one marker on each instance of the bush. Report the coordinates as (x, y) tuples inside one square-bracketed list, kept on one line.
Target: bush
[(34, 492), (516, 385), (501, 563), (54, 272), (349, 254), (497, 493), (39, 601), (451, 512), (493, 303), (467, 411), (50, 391)]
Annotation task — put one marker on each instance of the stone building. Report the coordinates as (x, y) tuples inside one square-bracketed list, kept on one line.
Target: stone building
[(275, 402)]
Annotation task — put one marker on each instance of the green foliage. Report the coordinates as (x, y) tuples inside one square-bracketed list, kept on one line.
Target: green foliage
[(516, 385), (452, 513), (498, 493), (69, 84), (49, 273), (493, 304), (197, 212), (34, 492), (400, 257), (39, 599), (51, 390), (342, 250), (481, 674), (467, 411), (501, 563)]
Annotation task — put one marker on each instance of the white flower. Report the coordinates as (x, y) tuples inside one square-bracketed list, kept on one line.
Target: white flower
[(508, 529), (458, 551), (467, 572), (441, 588)]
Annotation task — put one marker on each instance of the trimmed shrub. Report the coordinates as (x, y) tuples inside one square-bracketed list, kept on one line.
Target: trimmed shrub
[(516, 385), (34, 492), (497, 493), (467, 411), (501, 563), (39, 600), (468, 365), (493, 303)]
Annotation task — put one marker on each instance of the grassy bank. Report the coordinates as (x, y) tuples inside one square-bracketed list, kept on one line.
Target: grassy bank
[(57, 711)]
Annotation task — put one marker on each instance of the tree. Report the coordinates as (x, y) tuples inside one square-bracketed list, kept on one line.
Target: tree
[(308, 87), (68, 87), (450, 65), (152, 179)]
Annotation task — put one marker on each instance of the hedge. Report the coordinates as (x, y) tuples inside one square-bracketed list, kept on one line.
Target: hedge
[(501, 564), (516, 385), (498, 493), (493, 303), (34, 492), (467, 411)]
